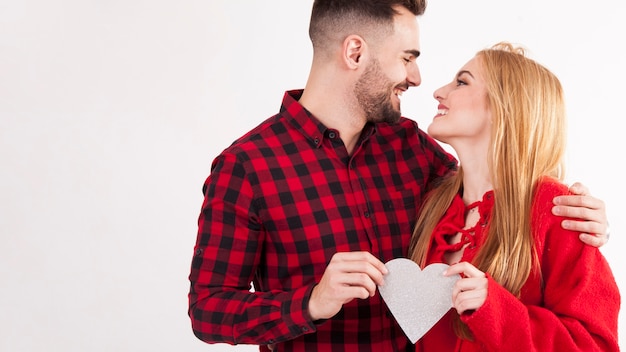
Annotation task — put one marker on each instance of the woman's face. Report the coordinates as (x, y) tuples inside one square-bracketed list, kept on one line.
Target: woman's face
[(463, 115)]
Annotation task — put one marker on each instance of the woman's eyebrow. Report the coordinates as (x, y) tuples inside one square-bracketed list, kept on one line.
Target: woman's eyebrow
[(464, 71)]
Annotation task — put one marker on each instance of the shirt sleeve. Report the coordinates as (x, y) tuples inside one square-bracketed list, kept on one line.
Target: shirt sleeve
[(228, 249), (440, 161), (580, 304)]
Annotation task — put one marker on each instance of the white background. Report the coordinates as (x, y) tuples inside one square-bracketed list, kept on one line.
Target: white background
[(112, 111)]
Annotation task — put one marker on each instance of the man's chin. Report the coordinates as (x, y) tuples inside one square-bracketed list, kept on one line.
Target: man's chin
[(386, 116), (395, 118)]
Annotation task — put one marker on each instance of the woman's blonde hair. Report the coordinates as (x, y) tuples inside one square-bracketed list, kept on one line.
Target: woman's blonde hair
[(528, 137)]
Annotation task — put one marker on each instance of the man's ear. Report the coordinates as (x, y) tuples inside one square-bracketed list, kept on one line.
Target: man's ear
[(354, 47)]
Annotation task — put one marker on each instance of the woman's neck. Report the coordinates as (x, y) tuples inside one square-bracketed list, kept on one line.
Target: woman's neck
[(476, 179)]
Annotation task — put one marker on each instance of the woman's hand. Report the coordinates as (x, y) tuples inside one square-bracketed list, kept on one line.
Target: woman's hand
[(470, 292)]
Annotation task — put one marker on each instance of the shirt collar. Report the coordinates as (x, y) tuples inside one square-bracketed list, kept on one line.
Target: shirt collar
[(299, 117)]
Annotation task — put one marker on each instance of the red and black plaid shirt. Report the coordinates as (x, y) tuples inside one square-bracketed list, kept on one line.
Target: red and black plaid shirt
[(279, 202)]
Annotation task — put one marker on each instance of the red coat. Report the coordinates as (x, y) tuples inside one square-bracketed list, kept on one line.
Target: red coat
[(577, 309)]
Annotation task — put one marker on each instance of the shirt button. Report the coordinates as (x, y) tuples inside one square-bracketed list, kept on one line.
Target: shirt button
[(367, 214), (305, 329), (332, 135), (317, 141)]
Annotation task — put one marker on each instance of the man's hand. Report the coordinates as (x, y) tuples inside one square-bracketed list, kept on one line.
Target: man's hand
[(349, 275), (594, 226)]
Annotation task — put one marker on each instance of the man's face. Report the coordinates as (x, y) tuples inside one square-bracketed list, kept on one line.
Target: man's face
[(391, 72), (378, 95)]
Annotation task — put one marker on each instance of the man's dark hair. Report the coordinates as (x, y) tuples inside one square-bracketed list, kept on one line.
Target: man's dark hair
[(332, 17)]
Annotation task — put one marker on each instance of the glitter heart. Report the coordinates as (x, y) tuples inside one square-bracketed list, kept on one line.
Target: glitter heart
[(417, 299)]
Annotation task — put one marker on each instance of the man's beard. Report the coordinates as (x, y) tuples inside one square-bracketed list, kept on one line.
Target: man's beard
[(373, 92)]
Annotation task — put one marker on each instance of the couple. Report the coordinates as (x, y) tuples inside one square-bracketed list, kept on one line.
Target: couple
[(310, 204)]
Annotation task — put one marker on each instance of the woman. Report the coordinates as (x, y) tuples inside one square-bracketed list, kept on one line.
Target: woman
[(526, 284)]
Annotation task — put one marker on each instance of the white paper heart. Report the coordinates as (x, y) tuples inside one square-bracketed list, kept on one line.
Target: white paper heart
[(417, 299)]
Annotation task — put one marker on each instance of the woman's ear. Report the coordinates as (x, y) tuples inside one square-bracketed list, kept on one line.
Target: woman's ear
[(354, 47)]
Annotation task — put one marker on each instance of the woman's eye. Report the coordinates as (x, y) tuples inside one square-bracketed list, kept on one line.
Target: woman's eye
[(460, 82)]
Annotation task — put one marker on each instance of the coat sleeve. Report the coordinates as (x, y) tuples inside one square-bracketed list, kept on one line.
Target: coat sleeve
[(578, 303)]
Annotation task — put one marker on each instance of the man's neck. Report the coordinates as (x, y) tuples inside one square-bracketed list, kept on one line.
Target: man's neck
[(335, 109)]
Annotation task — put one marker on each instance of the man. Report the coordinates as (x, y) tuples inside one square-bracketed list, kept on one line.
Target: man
[(311, 203)]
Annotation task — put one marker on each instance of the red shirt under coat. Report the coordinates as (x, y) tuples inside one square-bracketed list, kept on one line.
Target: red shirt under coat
[(576, 308)]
